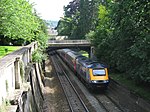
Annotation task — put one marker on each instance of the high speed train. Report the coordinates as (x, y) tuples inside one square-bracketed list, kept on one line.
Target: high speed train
[(94, 74)]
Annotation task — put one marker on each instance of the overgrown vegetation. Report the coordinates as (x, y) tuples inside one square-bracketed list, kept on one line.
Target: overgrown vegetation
[(124, 39), (119, 31), (142, 91), (84, 53), (38, 56)]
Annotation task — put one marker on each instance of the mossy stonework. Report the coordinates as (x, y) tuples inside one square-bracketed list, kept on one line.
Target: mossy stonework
[(15, 64), (22, 72)]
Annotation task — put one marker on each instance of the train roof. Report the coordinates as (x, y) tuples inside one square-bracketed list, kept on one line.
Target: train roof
[(65, 50), (96, 65), (89, 63), (82, 59), (74, 54)]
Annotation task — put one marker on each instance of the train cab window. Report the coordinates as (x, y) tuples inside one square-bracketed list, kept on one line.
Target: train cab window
[(99, 72)]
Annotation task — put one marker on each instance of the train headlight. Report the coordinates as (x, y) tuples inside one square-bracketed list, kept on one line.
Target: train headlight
[(100, 81), (93, 81), (106, 81)]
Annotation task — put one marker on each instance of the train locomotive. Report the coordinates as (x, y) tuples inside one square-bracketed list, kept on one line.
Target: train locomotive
[(94, 74)]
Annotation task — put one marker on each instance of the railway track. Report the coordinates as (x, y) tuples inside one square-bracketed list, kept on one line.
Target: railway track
[(115, 99), (105, 103), (75, 102)]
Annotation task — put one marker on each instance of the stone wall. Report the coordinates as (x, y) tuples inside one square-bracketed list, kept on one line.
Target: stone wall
[(12, 77), (32, 99)]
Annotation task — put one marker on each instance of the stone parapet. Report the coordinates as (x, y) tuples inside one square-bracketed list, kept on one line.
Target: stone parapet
[(11, 70)]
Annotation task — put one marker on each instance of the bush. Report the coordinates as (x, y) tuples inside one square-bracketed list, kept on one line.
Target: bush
[(38, 56)]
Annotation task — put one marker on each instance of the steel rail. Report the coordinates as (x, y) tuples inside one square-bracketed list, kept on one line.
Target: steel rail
[(56, 65), (75, 91), (107, 103), (101, 102)]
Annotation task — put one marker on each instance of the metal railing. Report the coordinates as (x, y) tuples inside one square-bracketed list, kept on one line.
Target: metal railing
[(69, 41)]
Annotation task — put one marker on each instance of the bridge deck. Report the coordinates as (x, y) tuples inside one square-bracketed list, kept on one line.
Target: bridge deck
[(69, 43)]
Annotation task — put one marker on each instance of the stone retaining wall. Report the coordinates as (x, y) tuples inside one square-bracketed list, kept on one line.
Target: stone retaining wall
[(11, 75), (32, 100)]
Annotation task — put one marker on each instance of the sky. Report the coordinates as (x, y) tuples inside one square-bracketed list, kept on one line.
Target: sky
[(50, 9)]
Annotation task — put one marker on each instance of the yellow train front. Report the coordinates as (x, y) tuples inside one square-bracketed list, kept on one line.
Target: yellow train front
[(94, 74)]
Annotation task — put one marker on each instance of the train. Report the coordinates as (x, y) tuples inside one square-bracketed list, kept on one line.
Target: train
[(92, 73)]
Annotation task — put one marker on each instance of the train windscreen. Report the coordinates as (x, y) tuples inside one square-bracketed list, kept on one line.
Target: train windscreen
[(99, 72)]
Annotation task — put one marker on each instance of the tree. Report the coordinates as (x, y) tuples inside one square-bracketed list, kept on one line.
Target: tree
[(67, 25), (82, 16), (122, 37), (17, 20)]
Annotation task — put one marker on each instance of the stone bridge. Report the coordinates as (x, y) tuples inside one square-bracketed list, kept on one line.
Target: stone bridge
[(77, 44), (66, 43)]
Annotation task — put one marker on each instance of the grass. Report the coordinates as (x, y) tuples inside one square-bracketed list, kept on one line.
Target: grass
[(140, 90), (4, 50), (84, 53)]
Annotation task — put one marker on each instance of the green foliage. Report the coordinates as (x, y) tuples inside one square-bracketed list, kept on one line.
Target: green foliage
[(84, 53), (68, 24), (19, 24), (42, 41), (17, 19), (101, 38), (90, 35), (42, 38), (122, 38), (80, 17), (38, 56), (41, 35), (64, 26), (130, 21)]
